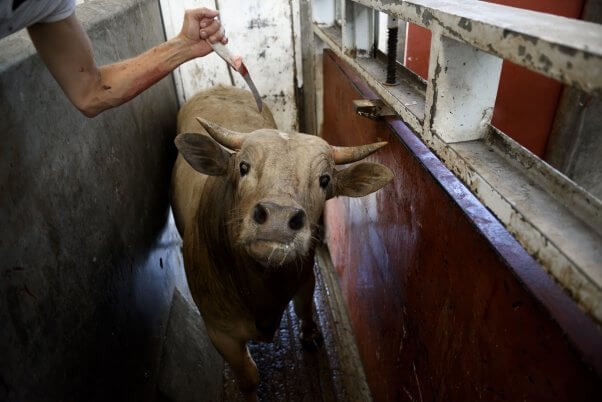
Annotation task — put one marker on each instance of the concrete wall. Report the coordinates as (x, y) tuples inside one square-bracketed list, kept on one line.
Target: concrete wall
[(265, 34), (88, 255)]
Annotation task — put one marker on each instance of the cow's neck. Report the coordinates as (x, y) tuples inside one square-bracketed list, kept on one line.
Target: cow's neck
[(263, 292)]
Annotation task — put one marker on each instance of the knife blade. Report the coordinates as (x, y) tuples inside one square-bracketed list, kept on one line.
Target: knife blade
[(236, 63)]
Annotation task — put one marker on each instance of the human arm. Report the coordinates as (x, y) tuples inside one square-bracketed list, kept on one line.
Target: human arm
[(66, 50)]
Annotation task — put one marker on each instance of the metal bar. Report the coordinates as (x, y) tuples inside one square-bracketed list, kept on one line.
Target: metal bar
[(461, 90), (582, 204), (553, 218), (358, 29), (407, 99), (392, 34), (565, 49), (562, 243)]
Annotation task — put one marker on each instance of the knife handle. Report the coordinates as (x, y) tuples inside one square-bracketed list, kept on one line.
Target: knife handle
[(222, 51)]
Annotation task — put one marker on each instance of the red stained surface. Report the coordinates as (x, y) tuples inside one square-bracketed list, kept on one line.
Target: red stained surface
[(418, 50), (445, 305), (526, 102), (525, 106)]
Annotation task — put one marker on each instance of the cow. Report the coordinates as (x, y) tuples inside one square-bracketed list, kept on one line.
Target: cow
[(247, 201)]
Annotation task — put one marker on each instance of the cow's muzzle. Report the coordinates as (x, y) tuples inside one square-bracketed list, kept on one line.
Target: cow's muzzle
[(277, 222), (280, 234)]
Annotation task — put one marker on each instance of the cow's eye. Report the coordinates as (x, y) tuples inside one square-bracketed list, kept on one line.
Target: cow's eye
[(244, 168), (324, 180)]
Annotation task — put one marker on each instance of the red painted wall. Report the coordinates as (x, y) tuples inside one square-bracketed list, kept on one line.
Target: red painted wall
[(526, 103), (444, 303)]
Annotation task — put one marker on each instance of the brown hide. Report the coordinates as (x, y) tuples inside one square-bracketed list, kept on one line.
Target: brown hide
[(248, 215), (228, 300), (187, 185)]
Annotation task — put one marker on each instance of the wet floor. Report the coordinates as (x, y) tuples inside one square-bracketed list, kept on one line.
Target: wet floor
[(290, 373)]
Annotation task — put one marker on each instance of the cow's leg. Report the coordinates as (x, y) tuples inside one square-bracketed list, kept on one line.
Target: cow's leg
[(236, 353), (311, 338)]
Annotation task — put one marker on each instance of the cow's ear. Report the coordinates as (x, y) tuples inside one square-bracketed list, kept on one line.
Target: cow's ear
[(361, 179), (203, 153)]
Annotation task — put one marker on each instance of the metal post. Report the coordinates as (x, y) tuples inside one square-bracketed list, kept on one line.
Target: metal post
[(461, 90), (392, 31)]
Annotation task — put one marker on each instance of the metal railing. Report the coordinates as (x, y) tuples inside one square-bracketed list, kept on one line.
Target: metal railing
[(555, 220)]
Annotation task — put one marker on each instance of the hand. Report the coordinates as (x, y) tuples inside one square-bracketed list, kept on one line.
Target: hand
[(201, 24)]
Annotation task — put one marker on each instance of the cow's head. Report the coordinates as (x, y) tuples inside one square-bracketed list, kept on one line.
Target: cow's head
[(280, 184)]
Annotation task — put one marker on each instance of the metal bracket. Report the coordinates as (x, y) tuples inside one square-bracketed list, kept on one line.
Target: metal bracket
[(372, 108)]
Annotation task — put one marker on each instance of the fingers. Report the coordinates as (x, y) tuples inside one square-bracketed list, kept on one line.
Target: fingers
[(203, 12), (219, 36), (212, 30), (200, 14), (202, 24)]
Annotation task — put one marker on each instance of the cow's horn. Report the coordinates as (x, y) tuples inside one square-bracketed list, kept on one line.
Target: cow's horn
[(344, 155), (228, 138)]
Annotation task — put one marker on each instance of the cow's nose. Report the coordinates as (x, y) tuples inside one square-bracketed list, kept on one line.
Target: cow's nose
[(260, 214), (293, 217), (297, 220)]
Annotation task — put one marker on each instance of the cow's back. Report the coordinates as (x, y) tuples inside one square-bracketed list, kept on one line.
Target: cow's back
[(229, 107)]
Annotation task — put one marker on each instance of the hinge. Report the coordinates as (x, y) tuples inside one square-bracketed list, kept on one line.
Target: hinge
[(372, 108)]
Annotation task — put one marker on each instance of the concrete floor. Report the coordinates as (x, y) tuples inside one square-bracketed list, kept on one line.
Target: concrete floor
[(190, 367), (290, 373)]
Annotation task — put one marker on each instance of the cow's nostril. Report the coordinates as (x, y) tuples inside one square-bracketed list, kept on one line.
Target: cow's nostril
[(297, 221), (260, 214)]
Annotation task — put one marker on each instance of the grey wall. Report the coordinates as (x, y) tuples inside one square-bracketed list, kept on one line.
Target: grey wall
[(88, 257)]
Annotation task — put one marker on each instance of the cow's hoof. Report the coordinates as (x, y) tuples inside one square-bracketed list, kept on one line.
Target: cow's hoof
[(311, 341)]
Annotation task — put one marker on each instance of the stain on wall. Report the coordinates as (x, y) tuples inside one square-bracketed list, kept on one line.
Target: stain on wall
[(262, 33)]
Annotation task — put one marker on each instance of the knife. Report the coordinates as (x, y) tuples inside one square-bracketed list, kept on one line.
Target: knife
[(236, 63)]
